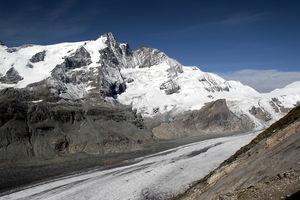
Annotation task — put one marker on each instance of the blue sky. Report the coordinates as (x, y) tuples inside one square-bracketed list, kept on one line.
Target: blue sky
[(217, 36)]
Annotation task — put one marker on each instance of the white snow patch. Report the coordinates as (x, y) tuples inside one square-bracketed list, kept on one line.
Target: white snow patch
[(37, 101), (55, 55), (93, 47), (41, 70)]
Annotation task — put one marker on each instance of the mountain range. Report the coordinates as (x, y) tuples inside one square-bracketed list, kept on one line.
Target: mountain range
[(100, 97)]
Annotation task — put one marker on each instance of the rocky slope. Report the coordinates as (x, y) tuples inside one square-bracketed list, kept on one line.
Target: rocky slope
[(214, 117), (267, 168), (48, 129), (99, 96)]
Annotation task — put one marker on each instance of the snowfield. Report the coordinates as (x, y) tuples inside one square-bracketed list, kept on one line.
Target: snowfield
[(160, 175), (39, 71), (145, 93), (196, 89)]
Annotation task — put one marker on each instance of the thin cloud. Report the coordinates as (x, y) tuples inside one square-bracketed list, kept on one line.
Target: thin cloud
[(231, 20), (243, 18), (61, 9), (263, 80)]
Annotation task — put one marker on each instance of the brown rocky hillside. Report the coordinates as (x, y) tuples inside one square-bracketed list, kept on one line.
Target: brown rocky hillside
[(267, 168)]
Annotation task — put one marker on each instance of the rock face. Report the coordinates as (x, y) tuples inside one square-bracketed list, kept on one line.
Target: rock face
[(11, 77), (63, 73), (112, 59), (38, 57), (46, 130), (147, 57), (118, 56), (215, 117), (170, 87), (278, 106), (260, 114), (58, 116), (267, 168)]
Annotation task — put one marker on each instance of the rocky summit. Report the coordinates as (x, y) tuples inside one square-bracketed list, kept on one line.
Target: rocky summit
[(100, 97)]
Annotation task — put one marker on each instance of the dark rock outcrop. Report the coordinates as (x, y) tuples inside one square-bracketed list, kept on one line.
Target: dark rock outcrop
[(129, 80), (29, 65), (112, 59), (11, 50), (80, 58), (38, 57), (214, 88), (63, 73), (277, 106), (147, 57), (170, 87), (260, 114), (11, 77)]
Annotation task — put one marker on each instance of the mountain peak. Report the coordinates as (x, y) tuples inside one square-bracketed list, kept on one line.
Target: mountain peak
[(107, 35)]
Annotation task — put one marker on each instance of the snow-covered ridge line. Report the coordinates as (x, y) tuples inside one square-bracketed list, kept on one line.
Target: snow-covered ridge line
[(20, 58), (145, 78)]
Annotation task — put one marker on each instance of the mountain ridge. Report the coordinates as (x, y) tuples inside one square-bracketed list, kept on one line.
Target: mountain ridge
[(142, 89), (80, 69)]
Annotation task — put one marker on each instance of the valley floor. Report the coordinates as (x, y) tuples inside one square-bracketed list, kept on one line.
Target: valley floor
[(156, 176)]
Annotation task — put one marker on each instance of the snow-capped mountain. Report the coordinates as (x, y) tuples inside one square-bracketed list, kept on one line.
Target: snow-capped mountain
[(145, 78), (64, 106)]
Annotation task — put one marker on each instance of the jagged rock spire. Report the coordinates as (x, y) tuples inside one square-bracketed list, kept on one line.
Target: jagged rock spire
[(108, 35)]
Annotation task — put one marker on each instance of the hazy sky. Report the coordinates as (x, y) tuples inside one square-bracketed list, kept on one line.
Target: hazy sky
[(217, 36)]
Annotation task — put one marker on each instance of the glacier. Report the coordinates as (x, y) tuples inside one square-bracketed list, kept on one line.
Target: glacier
[(161, 175)]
